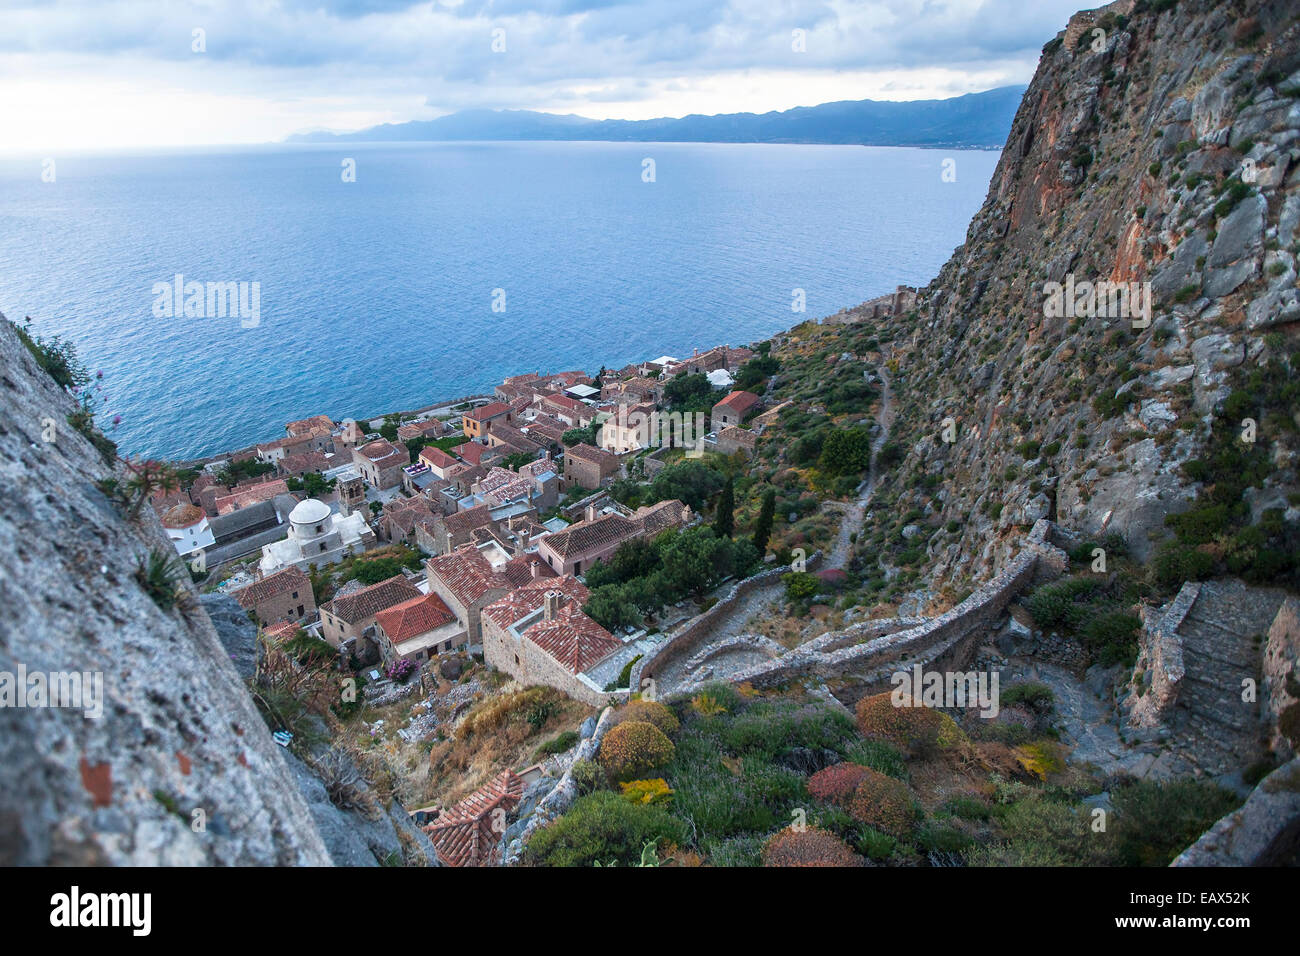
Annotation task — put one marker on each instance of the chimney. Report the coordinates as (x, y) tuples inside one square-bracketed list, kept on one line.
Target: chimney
[(591, 512), (524, 537), (535, 569), (552, 607)]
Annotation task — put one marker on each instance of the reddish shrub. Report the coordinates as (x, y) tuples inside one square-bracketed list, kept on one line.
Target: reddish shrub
[(884, 803), (917, 731), (835, 784), (808, 847)]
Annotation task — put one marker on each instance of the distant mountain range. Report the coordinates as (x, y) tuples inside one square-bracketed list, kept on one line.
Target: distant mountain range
[(976, 120)]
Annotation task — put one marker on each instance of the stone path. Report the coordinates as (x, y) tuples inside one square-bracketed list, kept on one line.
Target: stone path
[(765, 601)]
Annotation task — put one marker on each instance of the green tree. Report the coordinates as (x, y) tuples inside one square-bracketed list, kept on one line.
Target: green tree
[(846, 451), (689, 393), (724, 521), (389, 428), (763, 527), (692, 482)]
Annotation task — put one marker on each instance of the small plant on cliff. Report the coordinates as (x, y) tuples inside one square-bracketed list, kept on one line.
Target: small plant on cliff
[(603, 828), (647, 791), (159, 576), (836, 784)]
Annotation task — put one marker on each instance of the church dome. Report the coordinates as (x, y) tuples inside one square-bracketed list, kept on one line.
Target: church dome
[(309, 511)]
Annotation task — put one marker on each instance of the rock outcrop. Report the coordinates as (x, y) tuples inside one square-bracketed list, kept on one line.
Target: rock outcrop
[(1164, 150), (179, 769)]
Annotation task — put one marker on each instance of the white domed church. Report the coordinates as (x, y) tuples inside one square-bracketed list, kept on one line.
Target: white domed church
[(317, 536)]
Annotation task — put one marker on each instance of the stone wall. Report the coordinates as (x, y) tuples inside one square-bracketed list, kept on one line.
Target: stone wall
[(1160, 662), (698, 631), (943, 640), (1282, 670)]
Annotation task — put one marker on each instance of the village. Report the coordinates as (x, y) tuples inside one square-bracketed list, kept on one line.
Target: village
[(463, 535)]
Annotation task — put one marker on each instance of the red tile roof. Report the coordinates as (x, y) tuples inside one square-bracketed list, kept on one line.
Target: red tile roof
[(573, 639), (384, 453), (410, 619), (586, 536), (484, 412), (368, 602), (307, 426), (468, 834), (739, 401), (466, 574), (437, 458), (251, 495), (273, 585)]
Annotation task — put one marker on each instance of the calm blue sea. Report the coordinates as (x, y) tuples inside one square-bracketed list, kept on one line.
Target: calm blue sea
[(377, 295)]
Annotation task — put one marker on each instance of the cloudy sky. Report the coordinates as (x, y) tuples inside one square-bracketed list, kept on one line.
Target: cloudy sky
[(112, 74)]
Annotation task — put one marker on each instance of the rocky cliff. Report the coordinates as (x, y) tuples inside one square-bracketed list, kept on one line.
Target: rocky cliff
[(173, 764), (1157, 144)]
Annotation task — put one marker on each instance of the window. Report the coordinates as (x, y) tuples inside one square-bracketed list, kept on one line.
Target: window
[(516, 658), (300, 610)]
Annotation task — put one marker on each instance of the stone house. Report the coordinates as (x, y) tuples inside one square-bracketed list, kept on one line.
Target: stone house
[(283, 596), (416, 630), (348, 617), (475, 423), (733, 409), (588, 466), (381, 462), (539, 635)]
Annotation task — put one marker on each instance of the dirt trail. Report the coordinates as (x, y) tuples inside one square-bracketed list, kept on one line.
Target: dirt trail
[(765, 600)]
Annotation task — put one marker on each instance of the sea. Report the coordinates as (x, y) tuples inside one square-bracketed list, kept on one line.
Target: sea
[(386, 277)]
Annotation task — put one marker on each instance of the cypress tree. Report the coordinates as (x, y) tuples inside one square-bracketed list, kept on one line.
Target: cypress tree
[(763, 528), (724, 521)]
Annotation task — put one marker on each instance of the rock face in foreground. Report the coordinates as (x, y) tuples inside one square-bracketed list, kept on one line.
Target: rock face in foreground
[(178, 732), (1264, 831)]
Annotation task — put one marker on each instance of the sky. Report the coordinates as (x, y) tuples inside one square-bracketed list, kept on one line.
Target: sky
[(88, 75)]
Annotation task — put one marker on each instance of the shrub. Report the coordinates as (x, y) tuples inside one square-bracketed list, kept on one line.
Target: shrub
[(633, 749), (647, 791), (561, 744), (808, 847), (603, 828), (1154, 822), (878, 755), (836, 784), (588, 776), (917, 731), (1030, 693), (884, 803), (649, 711)]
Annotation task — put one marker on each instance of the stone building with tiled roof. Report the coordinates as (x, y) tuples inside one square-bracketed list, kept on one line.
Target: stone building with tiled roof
[(582, 543), (303, 463), (348, 616), (733, 439), (283, 596), (417, 629), (243, 497), (476, 421), (381, 462), (588, 466), (474, 576), (733, 409), (539, 634), (470, 833)]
